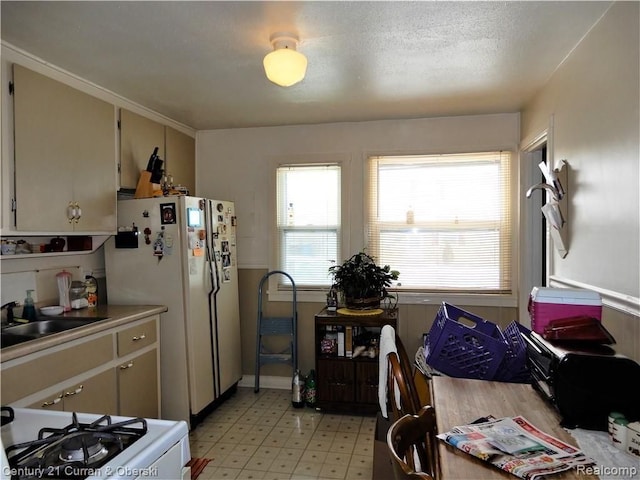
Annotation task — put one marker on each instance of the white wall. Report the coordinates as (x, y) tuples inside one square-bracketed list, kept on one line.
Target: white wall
[(238, 164), (594, 100)]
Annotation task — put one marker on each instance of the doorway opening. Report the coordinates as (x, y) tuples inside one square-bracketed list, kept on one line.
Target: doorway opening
[(534, 243)]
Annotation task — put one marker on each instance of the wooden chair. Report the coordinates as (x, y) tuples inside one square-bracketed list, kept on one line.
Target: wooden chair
[(411, 442), (400, 379)]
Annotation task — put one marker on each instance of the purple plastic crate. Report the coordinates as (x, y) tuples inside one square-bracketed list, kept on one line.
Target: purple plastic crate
[(514, 367), (459, 350)]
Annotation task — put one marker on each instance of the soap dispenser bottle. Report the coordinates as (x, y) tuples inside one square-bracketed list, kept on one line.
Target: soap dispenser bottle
[(29, 309)]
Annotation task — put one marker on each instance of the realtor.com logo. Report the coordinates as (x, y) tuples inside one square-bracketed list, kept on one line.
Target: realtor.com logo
[(624, 472)]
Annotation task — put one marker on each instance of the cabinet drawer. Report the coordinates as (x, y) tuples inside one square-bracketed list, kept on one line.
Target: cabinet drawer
[(30, 377), (135, 338), (336, 381)]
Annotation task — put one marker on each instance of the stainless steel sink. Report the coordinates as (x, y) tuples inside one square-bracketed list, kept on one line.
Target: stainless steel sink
[(16, 334), (9, 339), (47, 327)]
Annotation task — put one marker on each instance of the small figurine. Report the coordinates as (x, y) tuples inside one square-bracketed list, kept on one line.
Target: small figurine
[(332, 300)]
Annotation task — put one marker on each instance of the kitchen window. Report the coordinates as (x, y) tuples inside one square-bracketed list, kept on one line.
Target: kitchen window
[(308, 222), (443, 221)]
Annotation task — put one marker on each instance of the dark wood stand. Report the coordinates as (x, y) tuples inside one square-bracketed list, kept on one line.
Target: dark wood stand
[(346, 383)]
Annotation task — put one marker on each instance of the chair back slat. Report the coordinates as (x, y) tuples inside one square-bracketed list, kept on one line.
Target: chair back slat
[(400, 384), (411, 441)]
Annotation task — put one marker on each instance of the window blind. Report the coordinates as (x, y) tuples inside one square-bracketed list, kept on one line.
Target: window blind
[(443, 221), (308, 221)]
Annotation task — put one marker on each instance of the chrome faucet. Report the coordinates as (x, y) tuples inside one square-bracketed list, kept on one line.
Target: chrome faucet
[(9, 307)]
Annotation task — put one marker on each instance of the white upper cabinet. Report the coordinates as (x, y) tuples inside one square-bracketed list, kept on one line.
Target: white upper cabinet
[(65, 157)]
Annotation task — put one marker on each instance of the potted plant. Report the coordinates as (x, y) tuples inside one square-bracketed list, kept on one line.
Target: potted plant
[(362, 283)]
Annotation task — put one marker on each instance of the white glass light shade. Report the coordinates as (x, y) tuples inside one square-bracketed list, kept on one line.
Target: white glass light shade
[(285, 66)]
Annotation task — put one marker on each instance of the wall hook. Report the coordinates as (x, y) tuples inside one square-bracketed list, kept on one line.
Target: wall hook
[(556, 210)]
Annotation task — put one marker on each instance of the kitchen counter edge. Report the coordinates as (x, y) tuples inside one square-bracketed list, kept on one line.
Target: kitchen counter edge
[(116, 315)]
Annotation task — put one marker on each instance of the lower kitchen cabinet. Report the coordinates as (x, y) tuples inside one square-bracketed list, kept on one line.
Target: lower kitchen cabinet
[(97, 394), (114, 372), (138, 386)]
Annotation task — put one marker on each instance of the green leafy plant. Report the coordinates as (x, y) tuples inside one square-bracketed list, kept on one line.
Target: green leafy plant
[(360, 277)]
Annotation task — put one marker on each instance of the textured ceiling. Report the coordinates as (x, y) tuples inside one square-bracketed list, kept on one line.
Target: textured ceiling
[(200, 63)]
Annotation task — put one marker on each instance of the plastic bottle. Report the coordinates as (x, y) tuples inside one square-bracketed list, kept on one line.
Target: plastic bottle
[(92, 291), (290, 218), (64, 283), (29, 309), (310, 390), (297, 390)]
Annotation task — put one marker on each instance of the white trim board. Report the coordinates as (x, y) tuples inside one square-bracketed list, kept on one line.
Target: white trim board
[(611, 299), (266, 381)]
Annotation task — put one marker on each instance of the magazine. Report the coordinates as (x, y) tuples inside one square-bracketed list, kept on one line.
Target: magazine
[(516, 446)]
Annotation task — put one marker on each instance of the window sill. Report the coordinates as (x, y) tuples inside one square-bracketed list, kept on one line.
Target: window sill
[(405, 298)]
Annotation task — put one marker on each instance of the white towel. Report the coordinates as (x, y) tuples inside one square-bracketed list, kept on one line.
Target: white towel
[(387, 345)]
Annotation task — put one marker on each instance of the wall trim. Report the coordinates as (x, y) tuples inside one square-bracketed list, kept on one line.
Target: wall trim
[(617, 301), (266, 381)]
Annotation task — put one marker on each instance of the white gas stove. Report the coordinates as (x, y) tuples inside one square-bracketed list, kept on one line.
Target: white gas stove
[(43, 444)]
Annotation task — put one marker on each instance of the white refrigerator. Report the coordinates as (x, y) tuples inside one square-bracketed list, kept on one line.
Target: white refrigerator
[(180, 252)]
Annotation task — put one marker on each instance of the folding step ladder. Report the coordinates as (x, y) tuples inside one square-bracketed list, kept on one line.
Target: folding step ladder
[(276, 327)]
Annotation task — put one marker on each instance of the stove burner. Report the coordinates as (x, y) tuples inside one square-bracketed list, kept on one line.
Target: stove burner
[(67, 452), (82, 447)]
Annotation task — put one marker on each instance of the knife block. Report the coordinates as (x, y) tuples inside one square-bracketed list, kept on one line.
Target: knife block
[(146, 189)]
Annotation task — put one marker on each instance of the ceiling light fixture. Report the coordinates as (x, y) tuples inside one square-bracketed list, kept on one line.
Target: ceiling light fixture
[(285, 66)]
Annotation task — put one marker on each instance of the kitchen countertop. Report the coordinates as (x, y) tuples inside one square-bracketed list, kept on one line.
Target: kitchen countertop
[(116, 315)]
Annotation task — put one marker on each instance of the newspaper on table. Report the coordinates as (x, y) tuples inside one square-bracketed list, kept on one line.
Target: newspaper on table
[(516, 446)]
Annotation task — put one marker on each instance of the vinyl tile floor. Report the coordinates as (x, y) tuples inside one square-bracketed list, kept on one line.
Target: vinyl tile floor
[(261, 436)]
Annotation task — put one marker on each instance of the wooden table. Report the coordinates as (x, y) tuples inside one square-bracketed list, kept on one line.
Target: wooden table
[(459, 401)]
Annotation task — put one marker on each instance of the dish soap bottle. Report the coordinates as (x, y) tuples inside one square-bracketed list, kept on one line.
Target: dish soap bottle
[(29, 309)]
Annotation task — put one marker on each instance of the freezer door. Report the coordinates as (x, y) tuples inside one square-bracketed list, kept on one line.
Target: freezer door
[(198, 316), (226, 303)]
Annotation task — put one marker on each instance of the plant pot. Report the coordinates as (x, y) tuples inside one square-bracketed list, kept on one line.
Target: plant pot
[(362, 303)]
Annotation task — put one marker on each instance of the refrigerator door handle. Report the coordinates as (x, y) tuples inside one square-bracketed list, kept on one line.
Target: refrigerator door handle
[(210, 251), (215, 288)]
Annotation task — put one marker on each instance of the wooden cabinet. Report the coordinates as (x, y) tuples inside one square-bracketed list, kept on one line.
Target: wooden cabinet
[(181, 158), (345, 382), (138, 386), (96, 394), (138, 376), (65, 157), (111, 372), (139, 136)]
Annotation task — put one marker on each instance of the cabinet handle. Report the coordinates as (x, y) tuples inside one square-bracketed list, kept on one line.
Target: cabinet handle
[(137, 338), (74, 392), (71, 212), (128, 365), (52, 402), (78, 213)]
